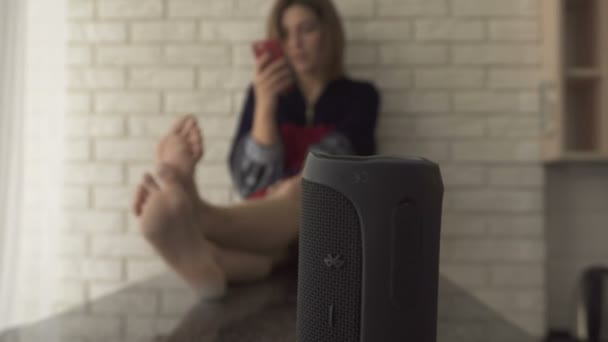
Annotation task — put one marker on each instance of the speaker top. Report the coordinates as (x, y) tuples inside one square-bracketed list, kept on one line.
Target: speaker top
[(370, 175), (374, 158), (320, 165)]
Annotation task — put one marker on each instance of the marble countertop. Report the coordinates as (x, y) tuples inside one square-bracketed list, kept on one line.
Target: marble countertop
[(265, 311)]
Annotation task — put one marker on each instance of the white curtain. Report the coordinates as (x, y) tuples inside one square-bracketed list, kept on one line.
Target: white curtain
[(32, 63)]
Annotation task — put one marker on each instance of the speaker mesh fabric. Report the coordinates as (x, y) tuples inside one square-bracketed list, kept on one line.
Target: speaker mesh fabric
[(330, 228)]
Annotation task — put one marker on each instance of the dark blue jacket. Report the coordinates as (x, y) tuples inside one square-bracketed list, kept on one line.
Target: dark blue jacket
[(343, 122)]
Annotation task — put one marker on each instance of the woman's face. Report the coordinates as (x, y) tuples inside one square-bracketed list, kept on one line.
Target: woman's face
[(303, 40)]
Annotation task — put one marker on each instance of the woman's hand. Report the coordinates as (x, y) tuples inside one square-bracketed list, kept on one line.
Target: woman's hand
[(271, 78)]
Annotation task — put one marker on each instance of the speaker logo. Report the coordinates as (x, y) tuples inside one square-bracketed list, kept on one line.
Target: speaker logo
[(334, 261)]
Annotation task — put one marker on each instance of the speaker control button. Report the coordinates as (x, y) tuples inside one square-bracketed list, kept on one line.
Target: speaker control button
[(334, 261), (406, 256)]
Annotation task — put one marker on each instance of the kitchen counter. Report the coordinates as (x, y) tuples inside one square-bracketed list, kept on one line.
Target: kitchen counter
[(265, 311)]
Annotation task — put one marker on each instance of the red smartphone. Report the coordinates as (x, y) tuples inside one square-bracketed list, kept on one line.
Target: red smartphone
[(271, 46)]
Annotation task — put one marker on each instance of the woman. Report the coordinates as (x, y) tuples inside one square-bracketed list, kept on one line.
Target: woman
[(299, 103)]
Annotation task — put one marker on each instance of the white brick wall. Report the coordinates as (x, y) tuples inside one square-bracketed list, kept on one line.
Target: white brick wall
[(145, 9), (411, 8), (450, 29), (495, 8), (128, 55), (458, 80)]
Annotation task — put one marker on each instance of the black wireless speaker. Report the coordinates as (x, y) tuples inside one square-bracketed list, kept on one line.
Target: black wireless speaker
[(369, 249)]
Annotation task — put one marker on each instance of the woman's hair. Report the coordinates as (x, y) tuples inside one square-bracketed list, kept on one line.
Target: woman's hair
[(331, 26)]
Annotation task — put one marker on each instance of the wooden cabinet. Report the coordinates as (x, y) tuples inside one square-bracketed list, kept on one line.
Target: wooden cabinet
[(574, 91)]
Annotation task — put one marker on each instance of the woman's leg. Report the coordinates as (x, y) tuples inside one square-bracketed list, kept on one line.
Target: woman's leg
[(247, 240), (170, 221), (266, 225)]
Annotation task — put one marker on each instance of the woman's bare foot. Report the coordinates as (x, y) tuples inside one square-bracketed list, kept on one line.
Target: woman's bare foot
[(170, 219), (174, 218), (182, 147)]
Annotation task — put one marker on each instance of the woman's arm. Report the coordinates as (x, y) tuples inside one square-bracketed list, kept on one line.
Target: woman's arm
[(256, 159), (270, 79), (253, 166)]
